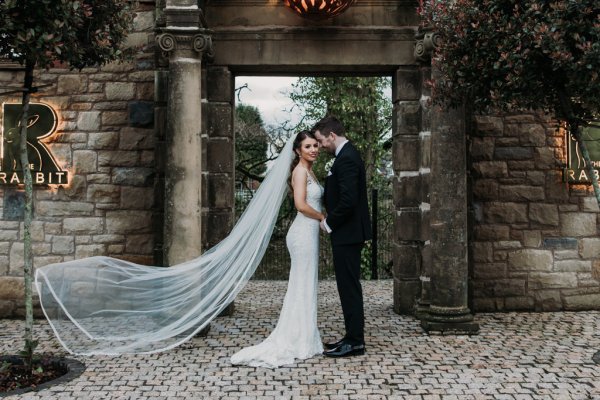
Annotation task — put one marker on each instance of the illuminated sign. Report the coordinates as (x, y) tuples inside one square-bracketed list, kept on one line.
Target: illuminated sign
[(577, 171), (41, 124)]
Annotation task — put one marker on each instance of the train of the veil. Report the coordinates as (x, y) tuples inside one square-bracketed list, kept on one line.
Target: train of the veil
[(103, 305)]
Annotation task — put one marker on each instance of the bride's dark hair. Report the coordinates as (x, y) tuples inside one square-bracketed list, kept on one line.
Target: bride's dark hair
[(297, 143)]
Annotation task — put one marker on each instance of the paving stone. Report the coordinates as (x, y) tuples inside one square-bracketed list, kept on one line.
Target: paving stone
[(527, 356)]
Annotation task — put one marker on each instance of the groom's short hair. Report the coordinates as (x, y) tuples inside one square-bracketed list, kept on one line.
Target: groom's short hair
[(328, 125)]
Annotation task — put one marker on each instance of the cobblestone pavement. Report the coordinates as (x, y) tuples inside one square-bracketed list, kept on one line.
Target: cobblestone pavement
[(516, 356)]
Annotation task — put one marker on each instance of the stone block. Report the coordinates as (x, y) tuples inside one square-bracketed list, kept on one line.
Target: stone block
[(108, 238), (129, 221), (141, 114), (481, 148), (485, 189), (63, 245), (220, 85), (490, 169), (99, 193), (547, 300), (139, 244), (16, 257), (589, 301), (544, 158), (116, 158), (13, 208), (407, 190), (406, 154), (578, 224), (219, 120), (216, 226), (483, 252), (530, 260), (89, 120), (85, 161), (220, 191), (521, 193), (513, 153), (220, 157), (72, 84), (82, 225), (406, 295), (519, 303), (7, 308), (596, 270), (589, 204), (560, 243), (137, 197), (532, 238), (553, 280), (89, 250), (103, 140), (406, 118), (530, 134), (119, 91), (407, 261), (537, 178), (507, 213), (137, 139), (425, 153), (407, 224), (406, 84), (573, 266), (11, 288), (544, 214), (507, 244), (133, 176), (489, 126), (589, 247), (484, 271), (143, 21), (556, 188), (114, 118), (63, 208), (492, 232)]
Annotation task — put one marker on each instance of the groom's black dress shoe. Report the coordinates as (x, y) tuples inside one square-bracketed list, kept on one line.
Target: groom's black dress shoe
[(331, 346), (346, 349)]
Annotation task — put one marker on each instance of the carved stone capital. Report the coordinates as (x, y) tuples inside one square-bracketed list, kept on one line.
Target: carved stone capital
[(426, 42), (170, 41)]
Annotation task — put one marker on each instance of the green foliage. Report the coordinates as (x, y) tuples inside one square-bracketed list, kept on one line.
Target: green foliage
[(518, 54), (76, 32), (251, 143), (362, 106)]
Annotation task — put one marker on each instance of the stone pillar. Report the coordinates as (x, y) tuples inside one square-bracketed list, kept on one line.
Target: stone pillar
[(407, 189), (186, 43), (448, 311), (219, 169)]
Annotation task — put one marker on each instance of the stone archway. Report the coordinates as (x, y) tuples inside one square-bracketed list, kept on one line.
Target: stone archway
[(262, 37)]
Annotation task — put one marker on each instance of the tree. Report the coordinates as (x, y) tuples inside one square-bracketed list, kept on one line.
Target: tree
[(359, 102), (514, 55), (366, 112), (43, 33), (251, 144)]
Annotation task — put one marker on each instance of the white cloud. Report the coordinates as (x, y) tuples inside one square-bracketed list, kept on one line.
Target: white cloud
[(267, 93)]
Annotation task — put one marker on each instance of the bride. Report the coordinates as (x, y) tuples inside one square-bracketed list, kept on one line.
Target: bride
[(104, 305), (296, 335)]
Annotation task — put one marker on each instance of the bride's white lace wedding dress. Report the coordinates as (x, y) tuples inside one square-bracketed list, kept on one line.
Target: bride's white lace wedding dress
[(296, 335)]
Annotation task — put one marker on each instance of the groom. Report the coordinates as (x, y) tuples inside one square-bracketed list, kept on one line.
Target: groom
[(348, 224)]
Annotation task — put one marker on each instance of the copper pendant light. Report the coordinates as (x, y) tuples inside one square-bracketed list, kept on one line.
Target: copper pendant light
[(319, 9)]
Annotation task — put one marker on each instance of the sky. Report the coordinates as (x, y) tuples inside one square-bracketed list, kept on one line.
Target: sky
[(267, 93)]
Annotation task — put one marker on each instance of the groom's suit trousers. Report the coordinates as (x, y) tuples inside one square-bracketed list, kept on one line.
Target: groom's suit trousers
[(346, 261)]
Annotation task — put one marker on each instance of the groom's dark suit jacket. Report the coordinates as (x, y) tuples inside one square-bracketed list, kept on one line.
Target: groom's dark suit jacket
[(346, 199)]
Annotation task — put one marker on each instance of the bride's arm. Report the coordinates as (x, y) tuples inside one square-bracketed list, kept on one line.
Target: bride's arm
[(299, 178)]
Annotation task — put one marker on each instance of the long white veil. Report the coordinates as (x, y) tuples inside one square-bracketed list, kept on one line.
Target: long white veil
[(103, 305)]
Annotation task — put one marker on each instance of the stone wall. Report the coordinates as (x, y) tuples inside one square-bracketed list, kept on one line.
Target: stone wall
[(535, 243), (106, 140)]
